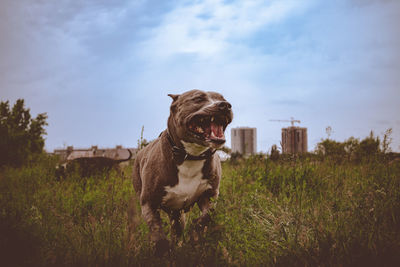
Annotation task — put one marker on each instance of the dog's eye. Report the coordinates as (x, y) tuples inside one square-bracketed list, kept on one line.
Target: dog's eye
[(198, 99)]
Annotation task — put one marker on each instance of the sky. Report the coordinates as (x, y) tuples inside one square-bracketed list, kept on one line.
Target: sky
[(102, 69)]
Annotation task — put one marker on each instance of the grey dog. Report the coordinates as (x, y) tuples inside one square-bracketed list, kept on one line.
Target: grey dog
[(180, 168)]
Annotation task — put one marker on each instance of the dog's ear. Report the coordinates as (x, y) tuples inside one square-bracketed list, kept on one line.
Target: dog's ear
[(174, 97)]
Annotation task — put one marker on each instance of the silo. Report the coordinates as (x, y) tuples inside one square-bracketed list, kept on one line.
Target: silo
[(244, 140)]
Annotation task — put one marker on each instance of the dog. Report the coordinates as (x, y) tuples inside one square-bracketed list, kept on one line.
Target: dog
[(180, 168)]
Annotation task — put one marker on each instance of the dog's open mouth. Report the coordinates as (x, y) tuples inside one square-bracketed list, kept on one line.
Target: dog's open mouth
[(209, 128)]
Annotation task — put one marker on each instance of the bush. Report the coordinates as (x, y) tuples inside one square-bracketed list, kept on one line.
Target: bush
[(21, 137), (370, 148)]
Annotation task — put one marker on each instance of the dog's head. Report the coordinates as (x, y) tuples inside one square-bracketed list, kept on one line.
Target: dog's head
[(200, 117)]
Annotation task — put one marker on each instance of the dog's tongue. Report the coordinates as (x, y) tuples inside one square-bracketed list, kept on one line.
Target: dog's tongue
[(217, 131)]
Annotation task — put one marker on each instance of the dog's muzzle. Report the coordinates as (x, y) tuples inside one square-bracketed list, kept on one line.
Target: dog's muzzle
[(210, 123)]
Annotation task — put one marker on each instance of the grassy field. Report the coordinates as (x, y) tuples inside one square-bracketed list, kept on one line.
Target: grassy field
[(288, 212)]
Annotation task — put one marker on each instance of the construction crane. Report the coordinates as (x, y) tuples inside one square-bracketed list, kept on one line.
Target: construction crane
[(292, 121)]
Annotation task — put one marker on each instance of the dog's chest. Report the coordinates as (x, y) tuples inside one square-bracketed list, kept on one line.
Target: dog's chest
[(189, 187)]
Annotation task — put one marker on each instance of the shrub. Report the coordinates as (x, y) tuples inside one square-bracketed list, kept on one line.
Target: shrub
[(368, 149), (21, 137)]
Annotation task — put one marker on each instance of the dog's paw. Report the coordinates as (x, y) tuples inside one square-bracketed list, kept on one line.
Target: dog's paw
[(201, 222), (161, 247), (199, 227)]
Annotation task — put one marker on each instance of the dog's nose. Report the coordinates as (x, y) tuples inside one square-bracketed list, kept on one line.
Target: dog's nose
[(224, 105)]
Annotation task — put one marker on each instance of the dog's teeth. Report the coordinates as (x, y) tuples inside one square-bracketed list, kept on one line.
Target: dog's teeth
[(199, 129), (212, 118)]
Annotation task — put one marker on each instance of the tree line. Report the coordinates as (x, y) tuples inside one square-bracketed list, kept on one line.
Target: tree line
[(22, 140)]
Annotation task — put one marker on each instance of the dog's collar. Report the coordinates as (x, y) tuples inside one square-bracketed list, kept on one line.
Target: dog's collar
[(180, 154)]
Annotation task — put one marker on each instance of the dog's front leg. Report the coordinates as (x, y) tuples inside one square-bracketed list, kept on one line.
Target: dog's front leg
[(177, 218), (206, 207), (153, 220)]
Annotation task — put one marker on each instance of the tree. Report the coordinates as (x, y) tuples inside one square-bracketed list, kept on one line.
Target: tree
[(387, 140), (353, 149), (351, 146), (329, 147), (21, 136), (369, 147), (274, 152)]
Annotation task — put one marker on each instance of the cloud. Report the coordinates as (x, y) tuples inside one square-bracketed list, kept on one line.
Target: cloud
[(93, 62), (213, 28)]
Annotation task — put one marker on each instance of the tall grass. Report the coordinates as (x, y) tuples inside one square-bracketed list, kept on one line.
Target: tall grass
[(301, 212), (290, 212)]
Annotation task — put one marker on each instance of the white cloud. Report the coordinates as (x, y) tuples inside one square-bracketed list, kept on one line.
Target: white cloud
[(210, 28)]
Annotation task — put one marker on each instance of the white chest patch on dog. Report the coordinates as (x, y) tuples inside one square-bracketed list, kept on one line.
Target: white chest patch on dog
[(189, 187), (194, 149)]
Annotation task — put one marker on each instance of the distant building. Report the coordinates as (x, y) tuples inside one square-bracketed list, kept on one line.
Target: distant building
[(244, 140), (113, 153), (294, 140)]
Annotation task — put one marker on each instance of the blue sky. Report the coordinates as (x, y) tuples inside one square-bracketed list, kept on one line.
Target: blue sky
[(102, 69)]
